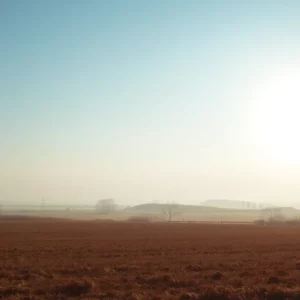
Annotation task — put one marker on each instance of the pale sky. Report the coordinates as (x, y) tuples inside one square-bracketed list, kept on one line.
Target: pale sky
[(149, 100)]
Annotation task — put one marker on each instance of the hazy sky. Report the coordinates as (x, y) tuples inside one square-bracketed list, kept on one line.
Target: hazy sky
[(149, 100)]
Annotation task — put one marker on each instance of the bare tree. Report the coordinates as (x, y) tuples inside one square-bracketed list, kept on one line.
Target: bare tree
[(170, 210)]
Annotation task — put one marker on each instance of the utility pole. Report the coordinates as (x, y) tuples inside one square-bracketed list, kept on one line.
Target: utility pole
[(43, 203), (272, 212), (271, 217)]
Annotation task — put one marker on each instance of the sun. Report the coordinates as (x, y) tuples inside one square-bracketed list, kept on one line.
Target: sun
[(275, 114)]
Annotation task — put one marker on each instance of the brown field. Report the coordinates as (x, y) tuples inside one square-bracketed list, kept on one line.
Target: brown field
[(57, 259)]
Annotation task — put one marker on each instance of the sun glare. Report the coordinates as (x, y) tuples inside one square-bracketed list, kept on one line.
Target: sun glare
[(276, 115)]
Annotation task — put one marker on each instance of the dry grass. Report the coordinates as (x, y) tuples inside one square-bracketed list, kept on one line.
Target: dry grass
[(55, 259)]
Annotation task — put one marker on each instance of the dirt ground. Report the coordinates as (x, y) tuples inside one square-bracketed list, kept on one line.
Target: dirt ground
[(59, 259)]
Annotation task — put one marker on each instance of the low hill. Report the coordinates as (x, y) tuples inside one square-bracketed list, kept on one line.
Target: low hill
[(158, 208), (208, 213)]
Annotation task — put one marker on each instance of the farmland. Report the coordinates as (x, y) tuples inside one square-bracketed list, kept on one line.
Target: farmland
[(65, 259)]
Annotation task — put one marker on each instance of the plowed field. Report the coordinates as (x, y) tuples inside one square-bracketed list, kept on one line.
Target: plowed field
[(56, 259)]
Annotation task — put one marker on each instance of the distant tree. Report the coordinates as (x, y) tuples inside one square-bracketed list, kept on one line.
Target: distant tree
[(106, 206), (170, 210)]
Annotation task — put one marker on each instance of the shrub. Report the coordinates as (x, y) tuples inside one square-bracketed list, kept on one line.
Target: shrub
[(273, 280), (188, 296), (142, 219), (193, 268), (293, 222), (216, 276), (75, 288), (260, 222), (12, 290)]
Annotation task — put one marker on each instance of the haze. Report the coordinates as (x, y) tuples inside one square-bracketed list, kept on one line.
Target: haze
[(149, 101)]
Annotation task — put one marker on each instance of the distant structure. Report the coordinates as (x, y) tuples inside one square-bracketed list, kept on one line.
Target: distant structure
[(105, 206), (235, 204), (279, 213)]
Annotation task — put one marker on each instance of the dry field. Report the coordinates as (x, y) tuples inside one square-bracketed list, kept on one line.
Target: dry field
[(56, 259)]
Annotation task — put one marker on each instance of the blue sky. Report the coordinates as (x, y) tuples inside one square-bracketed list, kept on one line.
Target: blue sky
[(139, 100)]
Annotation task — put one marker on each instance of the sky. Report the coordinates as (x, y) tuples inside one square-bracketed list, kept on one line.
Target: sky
[(174, 100)]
